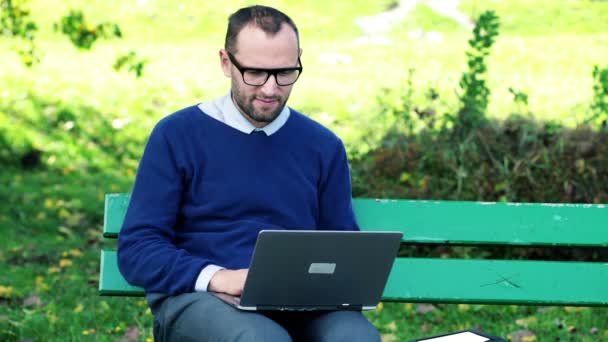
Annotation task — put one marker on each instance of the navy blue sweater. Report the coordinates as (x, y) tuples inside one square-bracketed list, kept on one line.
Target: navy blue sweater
[(204, 190)]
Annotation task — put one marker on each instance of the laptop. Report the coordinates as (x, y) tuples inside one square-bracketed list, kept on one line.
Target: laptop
[(317, 270)]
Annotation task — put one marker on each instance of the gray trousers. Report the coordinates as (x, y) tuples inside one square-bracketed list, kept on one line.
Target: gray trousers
[(200, 316)]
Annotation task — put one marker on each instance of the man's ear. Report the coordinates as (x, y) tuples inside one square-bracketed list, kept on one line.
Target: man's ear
[(225, 62), (300, 54)]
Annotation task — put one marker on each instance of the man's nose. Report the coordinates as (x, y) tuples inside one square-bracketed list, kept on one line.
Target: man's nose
[(271, 85)]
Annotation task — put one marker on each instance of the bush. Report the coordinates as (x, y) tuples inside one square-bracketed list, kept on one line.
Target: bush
[(516, 160)]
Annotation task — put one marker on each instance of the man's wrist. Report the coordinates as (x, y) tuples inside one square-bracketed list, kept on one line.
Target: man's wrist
[(204, 278)]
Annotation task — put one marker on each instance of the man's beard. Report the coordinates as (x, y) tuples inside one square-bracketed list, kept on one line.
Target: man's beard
[(246, 106)]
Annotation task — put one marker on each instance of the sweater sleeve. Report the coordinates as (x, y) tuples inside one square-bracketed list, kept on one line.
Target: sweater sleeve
[(147, 256), (335, 193)]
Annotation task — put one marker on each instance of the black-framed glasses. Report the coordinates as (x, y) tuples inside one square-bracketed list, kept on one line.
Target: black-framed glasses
[(259, 77)]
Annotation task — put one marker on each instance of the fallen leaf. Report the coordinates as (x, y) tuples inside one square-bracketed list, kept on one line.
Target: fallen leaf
[(65, 231), (389, 338), (522, 336), (132, 334), (65, 263), (526, 322), (424, 308), (463, 307), (392, 326), (6, 291), (53, 269), (32, 300), (75, 253)]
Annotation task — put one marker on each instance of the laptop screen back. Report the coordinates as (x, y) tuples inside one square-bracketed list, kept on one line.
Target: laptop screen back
[(317, 270)]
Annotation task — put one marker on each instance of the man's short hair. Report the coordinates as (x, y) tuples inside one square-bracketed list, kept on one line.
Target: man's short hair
[(266, 18)]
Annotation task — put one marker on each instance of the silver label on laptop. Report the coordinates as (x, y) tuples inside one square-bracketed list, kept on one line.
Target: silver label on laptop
[(322, 268)]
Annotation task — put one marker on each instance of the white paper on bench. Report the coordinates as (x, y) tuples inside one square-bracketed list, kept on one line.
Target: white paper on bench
[(465, 336)]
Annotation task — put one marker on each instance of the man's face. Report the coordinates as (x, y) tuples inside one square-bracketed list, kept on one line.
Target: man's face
[(255, 49)]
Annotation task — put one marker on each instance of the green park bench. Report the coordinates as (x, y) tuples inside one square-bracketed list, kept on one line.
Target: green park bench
[(456, 223)]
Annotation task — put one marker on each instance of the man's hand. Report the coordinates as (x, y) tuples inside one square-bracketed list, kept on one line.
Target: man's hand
[(228, 281)]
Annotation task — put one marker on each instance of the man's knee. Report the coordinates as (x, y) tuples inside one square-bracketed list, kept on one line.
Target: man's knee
[(202, 317), (262, 330), (349, 326)]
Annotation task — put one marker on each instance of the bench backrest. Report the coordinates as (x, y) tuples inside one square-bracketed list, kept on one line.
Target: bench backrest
[(459, 223)]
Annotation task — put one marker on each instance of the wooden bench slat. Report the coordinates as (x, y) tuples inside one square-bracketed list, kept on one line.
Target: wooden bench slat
[(458, 222), (111, 281), (114, 214), (455, 222), (459, 281), (498, 282)]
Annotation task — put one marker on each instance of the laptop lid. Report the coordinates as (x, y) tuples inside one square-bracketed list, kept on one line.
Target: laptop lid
[(319, 270)]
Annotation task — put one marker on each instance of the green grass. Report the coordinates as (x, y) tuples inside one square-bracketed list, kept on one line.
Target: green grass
[(91, 124)]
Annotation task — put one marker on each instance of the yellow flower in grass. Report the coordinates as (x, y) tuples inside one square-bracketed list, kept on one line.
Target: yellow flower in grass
[(463, 307), (49, 203), (53, 269), (40, 284), (118, 328), (79, 308), (149, 339), (52, 318), (65, 263), (6, 291), (75, 253), (88, 332)]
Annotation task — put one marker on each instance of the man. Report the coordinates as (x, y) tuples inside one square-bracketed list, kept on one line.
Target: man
[(213, 175)]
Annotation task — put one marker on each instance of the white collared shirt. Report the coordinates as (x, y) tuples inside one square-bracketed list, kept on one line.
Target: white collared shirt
[(224, 110)]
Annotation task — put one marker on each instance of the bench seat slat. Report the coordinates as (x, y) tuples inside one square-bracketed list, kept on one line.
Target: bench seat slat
[(459, 281), (461, 222), (498, 282)]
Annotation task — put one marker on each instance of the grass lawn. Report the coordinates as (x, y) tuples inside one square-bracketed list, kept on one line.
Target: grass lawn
[(91, 123)]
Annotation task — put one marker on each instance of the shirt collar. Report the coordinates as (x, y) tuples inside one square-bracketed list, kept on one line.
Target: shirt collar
[(224, 110)]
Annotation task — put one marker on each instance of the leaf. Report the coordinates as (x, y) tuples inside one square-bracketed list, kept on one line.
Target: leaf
[(392, 326), (65, 231), (65, 263), (6, 291), (526, 322), (463, 307), (132, 334), (522, 336), (424, 308), (389, 338), (33, 300), (79, 308)]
